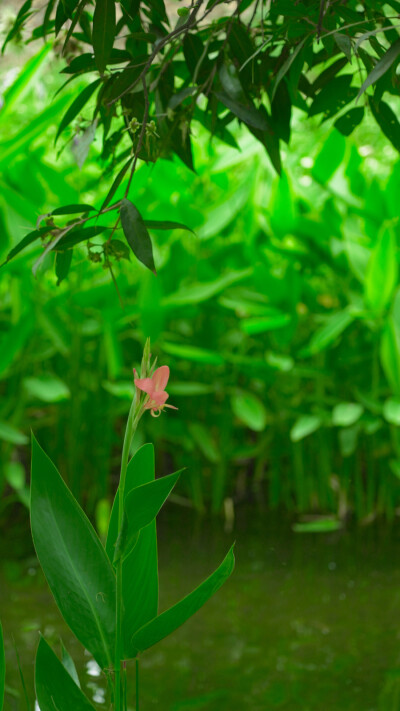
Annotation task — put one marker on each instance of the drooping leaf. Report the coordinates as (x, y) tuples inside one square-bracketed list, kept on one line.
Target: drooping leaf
[(142, 505), (26, 241), (55, 688), (63, 264), (166, 225), (104, 27), (140, 569), (349, 121), (333, 97), (387, 121), (166, 623), (77, 105), (381, 67), (136, 234), (116, 183), (247, 113), (74, 562)]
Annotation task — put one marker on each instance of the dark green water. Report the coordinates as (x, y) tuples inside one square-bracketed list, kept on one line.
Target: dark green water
[(308, 622)]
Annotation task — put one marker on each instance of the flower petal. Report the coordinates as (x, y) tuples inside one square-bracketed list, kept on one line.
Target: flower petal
[(145, 384), (160, 378)]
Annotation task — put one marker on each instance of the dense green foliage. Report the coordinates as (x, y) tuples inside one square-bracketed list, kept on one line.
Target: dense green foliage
[(279, 333)]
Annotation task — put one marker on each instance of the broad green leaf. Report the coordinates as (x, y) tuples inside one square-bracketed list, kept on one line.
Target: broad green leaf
[(346, 413), (250, 410), (304, 426), (73, 560), (136, 234), (47, 388), (77, 105), (140, 569), (55, 688), (142, 505), (391, 411), (329, 333), (161, 626), (382, 272), (381, 67), (333, 97), (69, 665), (104, 29), (321, 525), (2, 669), (198, 355), (9, 433)]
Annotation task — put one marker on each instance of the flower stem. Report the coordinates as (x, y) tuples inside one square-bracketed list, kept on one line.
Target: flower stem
[(135, 413)]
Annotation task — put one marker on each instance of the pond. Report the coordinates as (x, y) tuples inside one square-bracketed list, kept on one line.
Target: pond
[(307, 621)]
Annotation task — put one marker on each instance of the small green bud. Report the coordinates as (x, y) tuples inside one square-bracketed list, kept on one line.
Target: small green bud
[(183, 11)]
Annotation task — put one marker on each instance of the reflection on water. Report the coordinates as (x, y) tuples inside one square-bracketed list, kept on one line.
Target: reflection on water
[(306, 622)]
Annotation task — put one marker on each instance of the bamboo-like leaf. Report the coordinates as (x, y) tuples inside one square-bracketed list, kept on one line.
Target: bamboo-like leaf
[(77, 106), (136, 234), (381, 67), (166, 225), (73, 560), (162, 625), (103, 32), (55, 688)]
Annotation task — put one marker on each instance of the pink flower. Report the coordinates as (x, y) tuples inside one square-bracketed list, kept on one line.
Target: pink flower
[(155, 389)]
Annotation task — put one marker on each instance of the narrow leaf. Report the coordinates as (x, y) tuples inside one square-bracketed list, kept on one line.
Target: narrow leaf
[(117, 182), (382, 272), (63, 263), (171, 619), (166, 225), (104, 28), (76, 107), (72, 209), (73, 560), (245, 112), (69, 665), (55, 688), (381, 67), (136, 234)]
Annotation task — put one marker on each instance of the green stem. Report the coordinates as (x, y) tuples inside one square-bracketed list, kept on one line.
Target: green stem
[(133, 418)]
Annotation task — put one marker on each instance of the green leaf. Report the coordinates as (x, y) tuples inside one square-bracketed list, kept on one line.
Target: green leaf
[(245, 112), (329, 158), (304, 426), (334, 96), (387, 121), (26, 241), (390, 354), (265, 323), (329, 332), (381, 67), (249, 410), (72, 209), (161, 626), (136, 234), (196, 293), (166, 225), (349, 121), (11, 434), (142, 505), (139, 570), (2, 669), (344, 44), (104, 28), (321, 525), (391, 411), (116, 183), (345, 414), (47, 388), (76, 236), (63, 263), (82, 142), (69, 665), (55, 689), (77, 105), (205, 441), (283, 70), (73, 560), (382, 272), (198, 355), (15, 475)]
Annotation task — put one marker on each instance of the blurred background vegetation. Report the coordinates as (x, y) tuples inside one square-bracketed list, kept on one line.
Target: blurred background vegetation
[(279, 317)]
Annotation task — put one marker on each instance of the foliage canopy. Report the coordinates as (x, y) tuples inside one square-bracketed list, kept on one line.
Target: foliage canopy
[(149, 70)]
